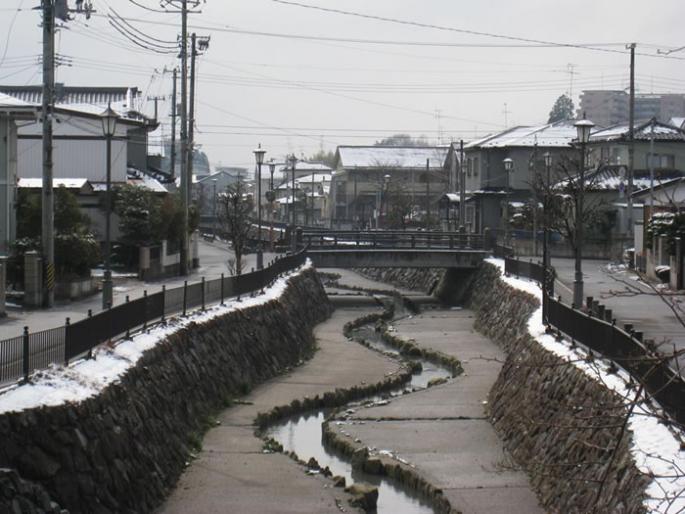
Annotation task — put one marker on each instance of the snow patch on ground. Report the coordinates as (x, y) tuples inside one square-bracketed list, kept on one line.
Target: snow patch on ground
[(656, 448), (86, 378)]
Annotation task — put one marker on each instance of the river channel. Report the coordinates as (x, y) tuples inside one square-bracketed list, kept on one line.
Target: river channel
[(303, 434)]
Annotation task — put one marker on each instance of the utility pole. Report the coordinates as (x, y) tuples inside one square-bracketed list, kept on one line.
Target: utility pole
[(191, 118), (631, 140), (185, 246), (156, 99), (428, 193), (47, 228), (462, 187), (173, 128)]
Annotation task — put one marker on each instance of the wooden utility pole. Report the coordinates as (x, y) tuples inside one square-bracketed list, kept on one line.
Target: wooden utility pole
[(631, 140), (47, 232)]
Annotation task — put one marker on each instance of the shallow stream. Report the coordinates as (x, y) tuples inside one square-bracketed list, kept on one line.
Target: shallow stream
[(303, 434)]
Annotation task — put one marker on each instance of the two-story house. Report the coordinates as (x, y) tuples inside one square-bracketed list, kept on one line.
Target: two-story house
[(488, 185), (365, 175)]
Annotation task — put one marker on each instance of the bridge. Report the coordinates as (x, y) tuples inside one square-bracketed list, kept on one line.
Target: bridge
[(393, 249)]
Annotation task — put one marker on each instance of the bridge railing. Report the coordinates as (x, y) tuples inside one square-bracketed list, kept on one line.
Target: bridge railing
[(595, 329), (389, 239)]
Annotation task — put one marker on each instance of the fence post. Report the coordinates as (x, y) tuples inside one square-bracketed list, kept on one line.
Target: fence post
[(67, 323), (222, 289), (163, 302), (185, 297), (144, 310), (203, 293), (26, 354), (90, 350), (128, 328)]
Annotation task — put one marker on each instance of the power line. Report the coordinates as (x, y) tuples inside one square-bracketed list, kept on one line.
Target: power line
[(598, 47)]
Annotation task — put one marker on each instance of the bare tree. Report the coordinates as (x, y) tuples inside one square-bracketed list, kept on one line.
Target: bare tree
[(235, 211), (561, 196)]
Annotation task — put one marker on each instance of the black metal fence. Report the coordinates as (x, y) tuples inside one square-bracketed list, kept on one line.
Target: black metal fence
[(20, 356), (604, 337)]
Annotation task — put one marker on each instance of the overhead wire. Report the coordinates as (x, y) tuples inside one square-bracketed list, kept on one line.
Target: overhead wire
[(599, 47)]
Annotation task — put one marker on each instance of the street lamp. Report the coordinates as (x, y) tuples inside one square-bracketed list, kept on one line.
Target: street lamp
[(386, 183), (293, 240), (259, 158), (272, 169), (583, 127), (109, 126), (508, 168)]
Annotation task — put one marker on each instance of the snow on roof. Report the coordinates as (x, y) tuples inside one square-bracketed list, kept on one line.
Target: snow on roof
[(660, 132), (677, 122), (311, 166), (37, 183), (556, 134), (317, 178), (392, 156), (10, 101), (147, 182)]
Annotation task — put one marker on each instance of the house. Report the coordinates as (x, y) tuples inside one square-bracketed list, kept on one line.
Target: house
[(365, 176), (206, 189), (79, 145), (312, 189), (10, 113), (487, 184), (659, 156)]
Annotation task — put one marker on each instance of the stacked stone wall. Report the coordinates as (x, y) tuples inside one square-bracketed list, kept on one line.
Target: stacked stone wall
[(124, 449), (559, 424)]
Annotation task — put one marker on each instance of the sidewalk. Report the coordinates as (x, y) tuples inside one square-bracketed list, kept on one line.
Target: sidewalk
[(213, 262), (646, 310)]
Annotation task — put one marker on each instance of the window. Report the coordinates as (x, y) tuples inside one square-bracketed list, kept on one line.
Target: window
[(660, 160), (469, 166), (476, 164)]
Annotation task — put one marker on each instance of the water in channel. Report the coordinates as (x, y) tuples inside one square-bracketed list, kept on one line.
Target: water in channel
[(303, 434)]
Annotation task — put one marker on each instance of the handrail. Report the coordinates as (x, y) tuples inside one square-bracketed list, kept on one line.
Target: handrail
[(600, 334), (21, 356)]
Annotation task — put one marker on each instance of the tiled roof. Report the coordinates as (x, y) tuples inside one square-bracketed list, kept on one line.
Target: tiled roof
[(644, 132), (73, 95)]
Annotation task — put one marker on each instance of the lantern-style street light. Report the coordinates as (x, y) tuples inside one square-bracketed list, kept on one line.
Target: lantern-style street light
[(584, 127), (259, 158), (109, 120)]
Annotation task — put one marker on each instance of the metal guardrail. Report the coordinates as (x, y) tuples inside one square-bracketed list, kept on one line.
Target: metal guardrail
[(21, 356), (597, 331), (390, 239)]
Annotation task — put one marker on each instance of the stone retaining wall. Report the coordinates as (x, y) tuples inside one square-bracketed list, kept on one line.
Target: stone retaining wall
[(560, 425), (419, 279), (123, 450)]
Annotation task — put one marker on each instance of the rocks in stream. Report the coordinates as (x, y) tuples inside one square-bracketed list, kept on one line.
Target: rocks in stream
[(364, 496)]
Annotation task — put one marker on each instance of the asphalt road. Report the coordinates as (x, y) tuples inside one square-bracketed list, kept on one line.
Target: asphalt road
[(213, 261), (631, 300)]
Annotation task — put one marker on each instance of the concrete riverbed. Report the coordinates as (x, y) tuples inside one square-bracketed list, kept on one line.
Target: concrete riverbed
[(442, 432)]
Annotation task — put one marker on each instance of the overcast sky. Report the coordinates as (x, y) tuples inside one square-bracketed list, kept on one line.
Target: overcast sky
[(298, 94)]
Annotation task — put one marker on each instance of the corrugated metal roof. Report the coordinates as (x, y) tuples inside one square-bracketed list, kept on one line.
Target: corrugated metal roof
[(392, 156)]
